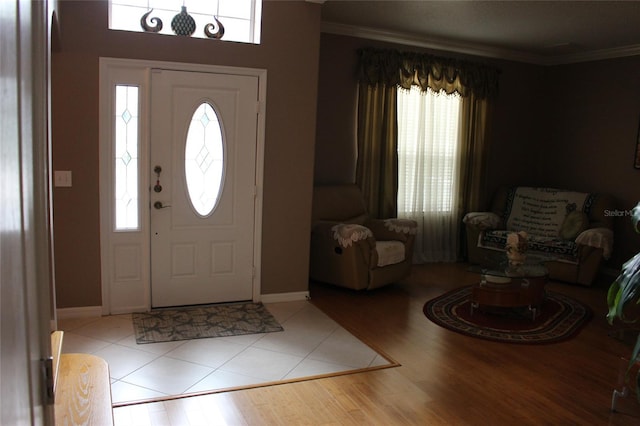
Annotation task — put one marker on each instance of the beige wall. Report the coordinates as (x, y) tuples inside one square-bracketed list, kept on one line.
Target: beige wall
[(571, 126), (289, 51)]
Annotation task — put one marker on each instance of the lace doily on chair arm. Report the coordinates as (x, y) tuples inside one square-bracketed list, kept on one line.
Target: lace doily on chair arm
[(403, 226), (348, 233), (482, 220), (598, 238)]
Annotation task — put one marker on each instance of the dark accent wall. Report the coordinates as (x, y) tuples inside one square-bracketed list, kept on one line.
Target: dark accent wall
[(593, 118), (336, 151), (572, 127), (288, 51)]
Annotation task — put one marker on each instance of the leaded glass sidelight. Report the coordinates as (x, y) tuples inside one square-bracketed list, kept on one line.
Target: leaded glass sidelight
[(204, 160), (126, 158)]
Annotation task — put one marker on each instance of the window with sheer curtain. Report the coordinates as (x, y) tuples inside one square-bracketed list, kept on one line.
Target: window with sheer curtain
[(443, 173), (429, 169)]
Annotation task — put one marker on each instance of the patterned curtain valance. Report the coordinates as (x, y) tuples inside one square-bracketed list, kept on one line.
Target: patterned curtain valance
[(391, 67)]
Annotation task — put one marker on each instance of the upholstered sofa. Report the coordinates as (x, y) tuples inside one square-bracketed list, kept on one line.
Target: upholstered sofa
[(567, 230), (352, 250)]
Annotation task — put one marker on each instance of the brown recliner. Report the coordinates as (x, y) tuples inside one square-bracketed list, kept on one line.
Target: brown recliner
[(350, 249)]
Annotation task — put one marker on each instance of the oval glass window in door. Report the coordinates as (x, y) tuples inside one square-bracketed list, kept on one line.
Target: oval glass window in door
[(204, 160)]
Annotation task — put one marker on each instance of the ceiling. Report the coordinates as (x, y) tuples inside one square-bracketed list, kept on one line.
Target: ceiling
[(541, 32)]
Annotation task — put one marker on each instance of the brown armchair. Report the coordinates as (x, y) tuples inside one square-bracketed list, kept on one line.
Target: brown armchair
[(350, 249)]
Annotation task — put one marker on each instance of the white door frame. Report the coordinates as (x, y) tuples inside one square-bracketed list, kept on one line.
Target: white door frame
[(126, 286), (25, 220)]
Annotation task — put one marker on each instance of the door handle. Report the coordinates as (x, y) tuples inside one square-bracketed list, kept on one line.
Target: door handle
[(158, 205)]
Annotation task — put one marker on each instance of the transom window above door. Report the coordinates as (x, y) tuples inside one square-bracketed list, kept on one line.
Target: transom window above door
[(226, 20)]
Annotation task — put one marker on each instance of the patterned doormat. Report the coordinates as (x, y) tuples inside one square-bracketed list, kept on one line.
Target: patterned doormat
[(560, 318), (198, 322)]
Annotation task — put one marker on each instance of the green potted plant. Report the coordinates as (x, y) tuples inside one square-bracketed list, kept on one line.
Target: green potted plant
[(623, 291)]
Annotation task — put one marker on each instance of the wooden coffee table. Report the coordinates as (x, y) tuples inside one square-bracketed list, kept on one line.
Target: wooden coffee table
[(511, 288)]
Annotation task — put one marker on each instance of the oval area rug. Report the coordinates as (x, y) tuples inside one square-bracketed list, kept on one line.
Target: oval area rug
[(560, 318)]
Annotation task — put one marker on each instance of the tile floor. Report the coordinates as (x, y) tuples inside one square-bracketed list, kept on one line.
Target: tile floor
[(311, 344)]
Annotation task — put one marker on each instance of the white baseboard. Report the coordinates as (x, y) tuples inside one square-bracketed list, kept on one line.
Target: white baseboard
[(79, 312), (96, 311), (284, 297)]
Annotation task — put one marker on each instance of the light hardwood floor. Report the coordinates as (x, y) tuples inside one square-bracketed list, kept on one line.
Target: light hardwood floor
[(444, 379)]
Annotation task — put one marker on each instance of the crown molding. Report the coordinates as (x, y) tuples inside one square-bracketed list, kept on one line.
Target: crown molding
[(475, 49), (597, 55)]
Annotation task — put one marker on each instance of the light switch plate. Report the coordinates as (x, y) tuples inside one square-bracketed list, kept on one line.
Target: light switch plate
[(62, 178)]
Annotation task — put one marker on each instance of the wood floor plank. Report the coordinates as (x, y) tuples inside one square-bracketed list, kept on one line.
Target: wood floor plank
[(56, 352), (83, 393), (444, 378), (220, 410)]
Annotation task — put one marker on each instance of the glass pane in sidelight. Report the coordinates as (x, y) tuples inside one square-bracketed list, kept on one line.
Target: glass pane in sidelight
[(204, 160), (126, 158)]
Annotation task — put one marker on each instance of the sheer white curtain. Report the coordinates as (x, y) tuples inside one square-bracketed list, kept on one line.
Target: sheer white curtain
[(428, 170)]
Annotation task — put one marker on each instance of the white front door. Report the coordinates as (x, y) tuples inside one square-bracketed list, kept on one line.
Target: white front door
[(203, 185)]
